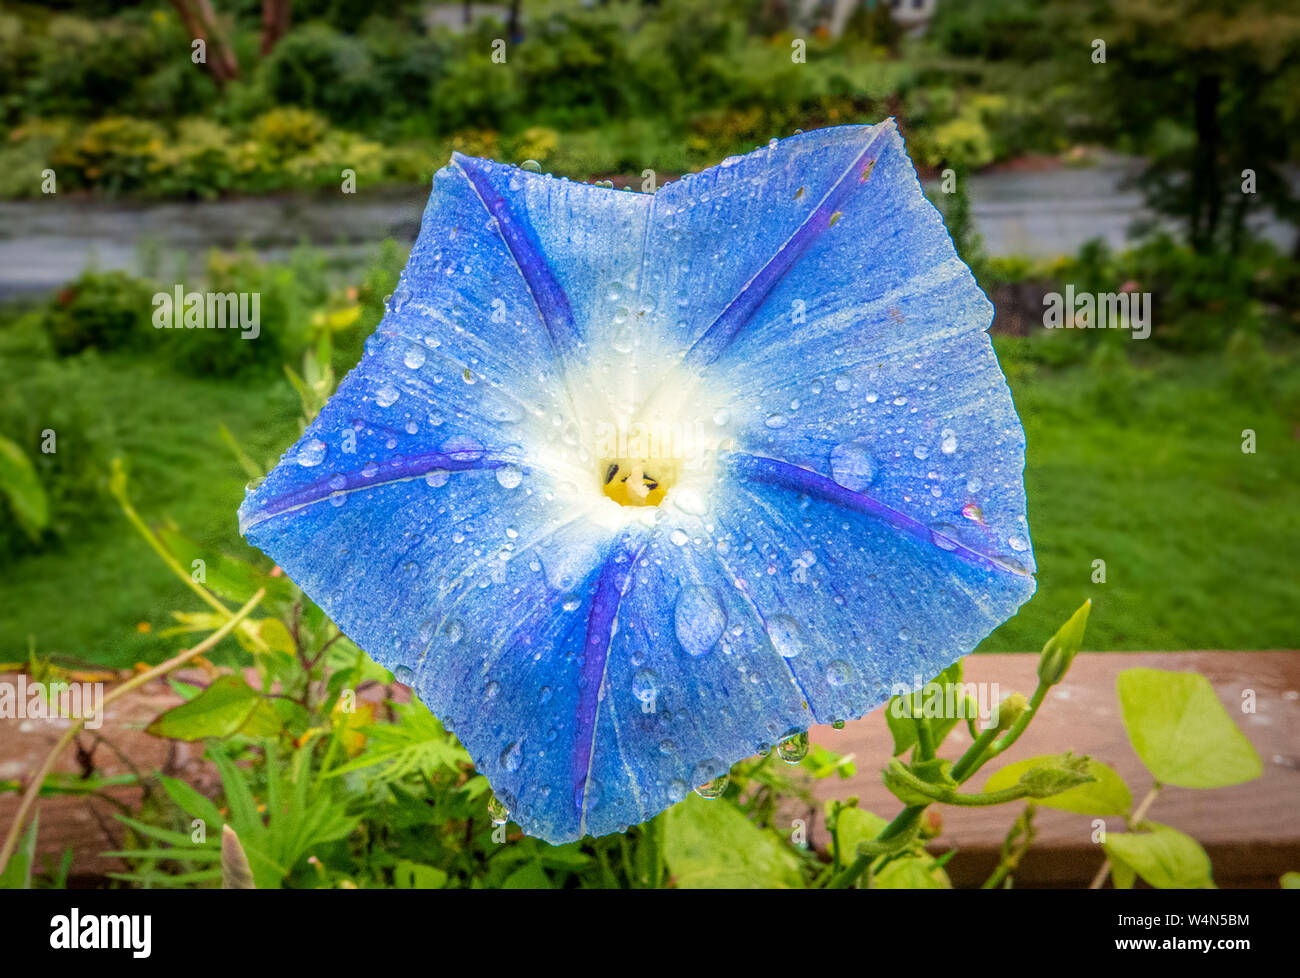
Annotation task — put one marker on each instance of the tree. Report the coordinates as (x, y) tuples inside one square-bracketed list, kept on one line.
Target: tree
[(200, 21), (1207, 88)]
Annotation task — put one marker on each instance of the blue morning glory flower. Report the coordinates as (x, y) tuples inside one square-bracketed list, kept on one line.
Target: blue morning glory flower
[(631, 486)]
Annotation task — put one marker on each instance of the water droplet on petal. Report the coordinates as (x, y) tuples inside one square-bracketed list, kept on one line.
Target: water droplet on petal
[(512, 757), (794, 749), (943, 536), (497, 811), (786, 634), (948, 441), (851, 466), (311, 453), (509, 476), (1017, 542), (645, 685), (437, 477), (414, 357), (387, 395), (839, 672), (698, 620), (714, 787)]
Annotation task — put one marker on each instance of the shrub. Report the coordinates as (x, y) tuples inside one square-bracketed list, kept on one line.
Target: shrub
[(316, 67), (48, 404), (103, 310)]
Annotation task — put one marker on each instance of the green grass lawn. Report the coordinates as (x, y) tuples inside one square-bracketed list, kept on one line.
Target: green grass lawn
[(1142, 469)]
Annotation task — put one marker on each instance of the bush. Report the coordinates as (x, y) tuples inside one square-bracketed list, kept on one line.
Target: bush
[(316, 67), (117, 153), (46, 405), (287, 294), (100, 310)]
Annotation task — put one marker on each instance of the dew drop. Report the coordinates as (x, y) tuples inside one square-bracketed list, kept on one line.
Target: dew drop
[(509, 476), (645, 685), (311, 453), (1018, 543), (414, 358), (948, 441), (943, 536), (851, 466), (512, 757), (794, 749), (714, 787), (386, 395), (786, 634), (437, 477), (698, 620), (497, 811), (838, 673)]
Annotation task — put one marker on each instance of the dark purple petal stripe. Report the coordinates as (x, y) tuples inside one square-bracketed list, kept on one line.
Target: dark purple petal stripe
[(738, 311), (610, 586), (552, 303), (773, 472), (393, 470)]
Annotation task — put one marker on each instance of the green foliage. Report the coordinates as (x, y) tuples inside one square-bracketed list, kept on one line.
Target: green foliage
[(1182, 732), (711, 845), (1105, 794), (21, 488), (103, 310), (1165, 858)]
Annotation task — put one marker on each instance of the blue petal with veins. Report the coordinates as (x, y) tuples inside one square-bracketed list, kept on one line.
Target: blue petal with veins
[(783, 362)]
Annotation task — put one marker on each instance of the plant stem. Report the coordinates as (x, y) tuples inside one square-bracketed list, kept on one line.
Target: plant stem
[(986, 746), (905, 821), (38, 778), (1133, 821), (1019, 838)]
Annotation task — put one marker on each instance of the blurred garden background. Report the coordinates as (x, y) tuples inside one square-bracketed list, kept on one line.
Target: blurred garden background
[(1147, 146)]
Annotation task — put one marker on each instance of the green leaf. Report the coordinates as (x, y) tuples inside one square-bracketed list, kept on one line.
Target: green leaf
[(408, 875), (192, 802), (529, 876), (1164, 857), (854, 827), (1182, 732), (18, 874), (1121, 875), (911, 873), (709, 844), (1290, 881), (235, 874), (221, 710), (20, 484), (900, 711), (1107, 795)]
